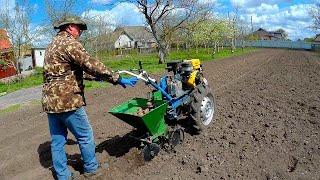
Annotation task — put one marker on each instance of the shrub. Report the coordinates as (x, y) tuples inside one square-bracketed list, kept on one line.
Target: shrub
[(3, 64)]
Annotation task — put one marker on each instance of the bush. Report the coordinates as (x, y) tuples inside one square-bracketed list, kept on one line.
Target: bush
[(3, 64)]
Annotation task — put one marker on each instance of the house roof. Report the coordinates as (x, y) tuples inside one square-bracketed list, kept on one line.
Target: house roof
[(260, 29), (261, 32), (5, 42), (274, 34), (38, 48), (138, 33)]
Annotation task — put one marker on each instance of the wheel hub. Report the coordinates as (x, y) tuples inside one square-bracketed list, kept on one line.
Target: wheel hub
[(207, 110)]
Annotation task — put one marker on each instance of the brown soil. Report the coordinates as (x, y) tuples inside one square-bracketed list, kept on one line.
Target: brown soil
[(267, 127)]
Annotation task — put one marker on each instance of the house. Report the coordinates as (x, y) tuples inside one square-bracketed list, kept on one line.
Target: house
[(7, 63), (317, 39), (122, 38), (38, 56), (131, 37), (262, 34), (316, 43)]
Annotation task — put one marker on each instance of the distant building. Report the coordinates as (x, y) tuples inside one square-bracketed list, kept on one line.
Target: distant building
[(316, 43), (131, 37), (36, 59), (25, 63), (38, 56), (317, 39), (262, 34)]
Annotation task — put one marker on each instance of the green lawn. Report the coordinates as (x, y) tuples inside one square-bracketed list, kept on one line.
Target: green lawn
[(31, 81), (129, 61), (150, 61), (12, 108)]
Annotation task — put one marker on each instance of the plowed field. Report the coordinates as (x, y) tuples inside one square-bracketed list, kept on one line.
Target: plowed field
[(267, 127)]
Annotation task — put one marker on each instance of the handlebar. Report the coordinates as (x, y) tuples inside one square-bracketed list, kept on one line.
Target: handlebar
[(142, 75)]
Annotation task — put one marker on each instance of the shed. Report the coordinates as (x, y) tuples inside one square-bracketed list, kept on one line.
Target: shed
[(25, 63), (38, 56)]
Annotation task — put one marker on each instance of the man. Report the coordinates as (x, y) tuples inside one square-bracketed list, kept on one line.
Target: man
[(63, 94)]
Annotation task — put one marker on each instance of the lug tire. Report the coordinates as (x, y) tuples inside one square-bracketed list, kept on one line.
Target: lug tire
[(203, 107)]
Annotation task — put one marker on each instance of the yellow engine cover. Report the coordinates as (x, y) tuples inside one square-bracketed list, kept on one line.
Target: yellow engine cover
[(196, 66), (195, 63), (192, 79)]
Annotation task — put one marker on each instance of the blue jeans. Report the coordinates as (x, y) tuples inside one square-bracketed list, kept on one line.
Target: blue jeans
[(78, 124)]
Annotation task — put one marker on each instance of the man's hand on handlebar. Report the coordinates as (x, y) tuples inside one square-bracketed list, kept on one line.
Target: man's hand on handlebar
[(124, 82)]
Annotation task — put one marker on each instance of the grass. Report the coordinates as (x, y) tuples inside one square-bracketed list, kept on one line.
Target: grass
[(31, 81), (203, 55), (16, 107), (130, 61), (150, 61), (12, 108), (35, 102)]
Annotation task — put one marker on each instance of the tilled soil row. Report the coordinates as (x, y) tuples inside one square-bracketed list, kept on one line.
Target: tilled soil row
[(267, 127)]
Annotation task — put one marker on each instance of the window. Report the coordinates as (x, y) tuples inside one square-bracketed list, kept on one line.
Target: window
[(40, 53)]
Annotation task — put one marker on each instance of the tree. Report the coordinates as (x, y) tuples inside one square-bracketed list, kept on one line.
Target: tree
[(308, 39), (244, 30), (56, 9), (314, 12), (211, 32), (15, 18), (190, 33), (165, 17), (97, 37), (283, 32)]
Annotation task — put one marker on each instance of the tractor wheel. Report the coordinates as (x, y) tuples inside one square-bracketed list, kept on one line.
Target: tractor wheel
[(203, 107), (176, 137), (150, 151)]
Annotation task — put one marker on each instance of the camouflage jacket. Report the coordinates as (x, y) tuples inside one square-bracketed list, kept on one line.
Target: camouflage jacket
[(64, 65)]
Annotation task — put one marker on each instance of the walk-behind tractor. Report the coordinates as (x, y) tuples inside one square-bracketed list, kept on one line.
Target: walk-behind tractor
[(183, 93)]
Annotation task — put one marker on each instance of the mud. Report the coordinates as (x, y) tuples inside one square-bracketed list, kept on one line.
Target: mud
[(267, 127)]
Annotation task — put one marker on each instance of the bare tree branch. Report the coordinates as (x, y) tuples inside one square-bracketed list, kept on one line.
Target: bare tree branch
[(314, 12), (166, 17)]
